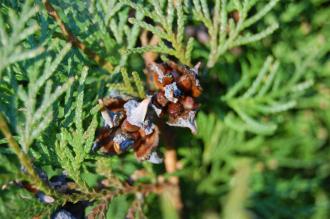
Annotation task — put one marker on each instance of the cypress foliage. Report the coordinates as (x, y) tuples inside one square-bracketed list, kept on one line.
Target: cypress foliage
[(262, 145)]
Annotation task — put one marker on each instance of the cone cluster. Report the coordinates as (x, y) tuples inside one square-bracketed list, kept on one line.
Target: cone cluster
[(129, 124), (177, 89)]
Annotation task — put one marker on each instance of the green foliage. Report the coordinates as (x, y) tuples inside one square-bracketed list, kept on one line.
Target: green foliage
[(262, 147), (108, 30), (36, 119), (29, 206), (118, 208), (267, 94), (8, 168), (11, 37), (130, 85), (78, 139), (224, 31), (165, 28)]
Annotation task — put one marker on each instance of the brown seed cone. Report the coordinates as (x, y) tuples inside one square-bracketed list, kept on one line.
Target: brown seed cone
[(196, 91), (177, 87), (185, 83), (160, 76), (148, 144), (174, 109), (181, 69), (104, 140), (168, 79), (161, 99), (120, 138), (189, 103), (136, 135), (128, 127), (114, 104)]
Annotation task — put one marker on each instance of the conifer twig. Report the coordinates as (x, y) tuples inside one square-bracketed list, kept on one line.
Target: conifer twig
[(108, 194), (67, 34), (23, 158)]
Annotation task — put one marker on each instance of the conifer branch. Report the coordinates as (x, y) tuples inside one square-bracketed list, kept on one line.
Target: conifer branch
[(68, 35), (172, 196), (108, 194), (24, 159), (164, 30), (226, 32)]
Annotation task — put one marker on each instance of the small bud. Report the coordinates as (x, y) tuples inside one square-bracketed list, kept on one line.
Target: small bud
[(234, 15), (62, 183)]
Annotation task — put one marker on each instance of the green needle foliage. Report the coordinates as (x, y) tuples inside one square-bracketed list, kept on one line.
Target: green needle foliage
[(226, 32), (164, 14), (262, 147)]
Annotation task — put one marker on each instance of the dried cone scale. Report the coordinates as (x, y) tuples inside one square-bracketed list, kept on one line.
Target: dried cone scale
[(128, 123), (127, 126), (178, 98)]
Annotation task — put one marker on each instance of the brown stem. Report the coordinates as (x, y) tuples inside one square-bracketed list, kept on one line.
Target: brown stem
[(171, 167), (75, 41), (107, 194), (170, 160), (149, 56)]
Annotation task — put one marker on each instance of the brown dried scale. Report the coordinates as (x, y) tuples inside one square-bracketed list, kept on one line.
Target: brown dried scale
[(127, 126), (176, 100)]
